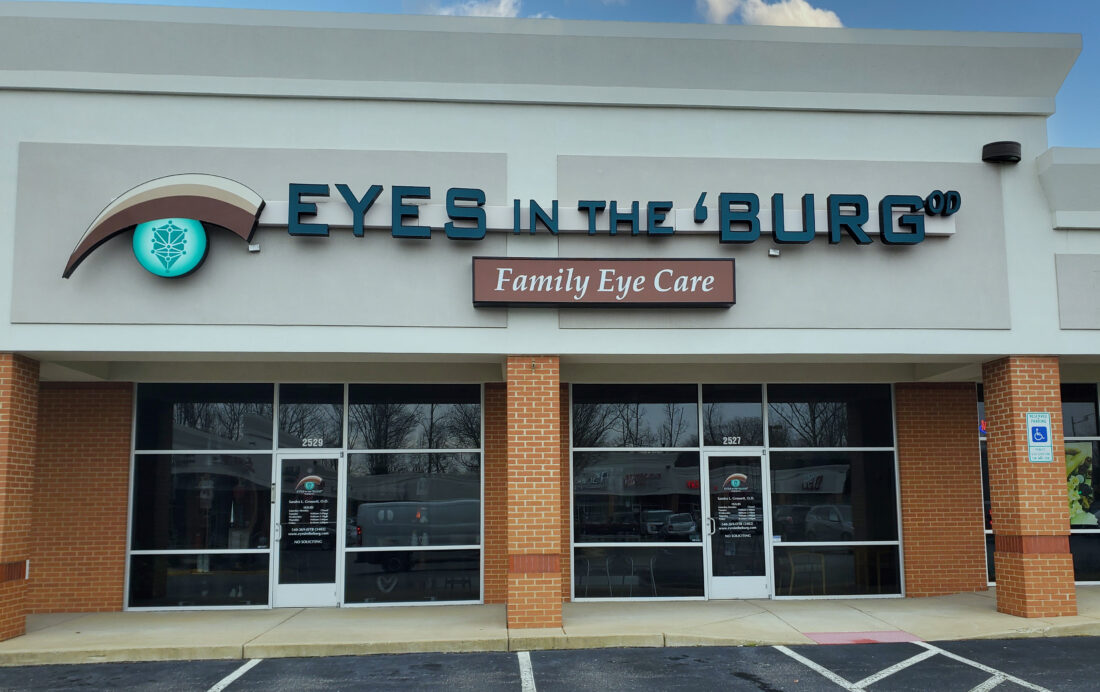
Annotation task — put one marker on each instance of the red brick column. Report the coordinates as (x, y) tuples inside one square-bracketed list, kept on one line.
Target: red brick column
[(534, 492), (1030, 508), (940, 474), (18, 422), (496, 493), (566, 497), (81, 477)]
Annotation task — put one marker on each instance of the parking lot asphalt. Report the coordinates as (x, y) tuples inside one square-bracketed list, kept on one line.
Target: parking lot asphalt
[(1055, 664)]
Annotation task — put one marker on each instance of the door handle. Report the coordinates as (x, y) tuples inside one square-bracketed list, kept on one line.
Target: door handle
[(278, 531), (712, 526)]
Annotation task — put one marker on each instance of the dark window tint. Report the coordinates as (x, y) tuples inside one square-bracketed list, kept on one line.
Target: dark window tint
[(830, 415), (619, 415), (732, 415), (1086, 556), (837, 571), (1081, 478), (204, 416), (384, 416), (165, 581), (629, 572), (834, 496), (414, 499), (201, 501), (311, 415), (1079, 410), (409, 576), (636, 496)]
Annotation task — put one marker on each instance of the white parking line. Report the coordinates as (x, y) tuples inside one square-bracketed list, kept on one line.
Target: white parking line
[(821, 670), (228, 679), (992, 671), (887, 672), (989, 684), (526, 674), (997, 678)]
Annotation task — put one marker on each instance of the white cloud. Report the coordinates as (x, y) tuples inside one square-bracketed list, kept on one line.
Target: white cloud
[(717, 11), (776, 13), (787, 13), (480, 8)]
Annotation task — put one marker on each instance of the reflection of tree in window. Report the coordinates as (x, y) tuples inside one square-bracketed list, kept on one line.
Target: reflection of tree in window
[(716, 427), (227, 420), (809, 424), (463, 422), (311, 421), (590, 423), (383, 426)]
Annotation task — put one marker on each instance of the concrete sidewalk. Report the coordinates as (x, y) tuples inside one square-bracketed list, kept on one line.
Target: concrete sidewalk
[(244, 634)]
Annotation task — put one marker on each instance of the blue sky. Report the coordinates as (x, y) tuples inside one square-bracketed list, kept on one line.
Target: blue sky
[(1076, 123)]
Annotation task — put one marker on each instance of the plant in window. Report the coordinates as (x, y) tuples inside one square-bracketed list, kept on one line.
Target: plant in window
[(1079, 485)]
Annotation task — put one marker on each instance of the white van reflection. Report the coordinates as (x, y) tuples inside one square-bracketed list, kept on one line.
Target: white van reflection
[(401, 524)]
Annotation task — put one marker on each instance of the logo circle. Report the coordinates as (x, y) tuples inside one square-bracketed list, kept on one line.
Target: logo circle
[(170, 247)]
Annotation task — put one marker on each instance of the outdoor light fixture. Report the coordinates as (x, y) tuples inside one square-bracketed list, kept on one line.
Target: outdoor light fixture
[(1001, 152)]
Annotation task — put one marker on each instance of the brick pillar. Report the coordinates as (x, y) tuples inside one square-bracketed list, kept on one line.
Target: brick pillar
[(496, 493), (1030, 508), (940, 474), (534, 492), (566, 496), (81, 480), (18, 422)]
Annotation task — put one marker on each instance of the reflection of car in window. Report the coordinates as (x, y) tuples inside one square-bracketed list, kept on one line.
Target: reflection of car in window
[(654, 519), (678, 525), (829, 523), (789, 522)]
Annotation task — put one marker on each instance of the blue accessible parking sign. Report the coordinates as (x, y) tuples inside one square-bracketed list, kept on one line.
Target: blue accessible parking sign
[(1040, 448)]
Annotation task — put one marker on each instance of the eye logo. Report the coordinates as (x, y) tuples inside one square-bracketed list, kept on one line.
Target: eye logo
[(309, 485), (170, 247), (170, 218)]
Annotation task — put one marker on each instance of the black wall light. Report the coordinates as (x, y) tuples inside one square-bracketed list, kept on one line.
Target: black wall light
[(1001, 152)]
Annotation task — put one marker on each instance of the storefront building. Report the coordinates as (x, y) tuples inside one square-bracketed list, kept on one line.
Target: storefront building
[(448, 310)]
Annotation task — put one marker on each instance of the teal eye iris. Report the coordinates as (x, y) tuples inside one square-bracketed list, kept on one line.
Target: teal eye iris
[(170, 247)]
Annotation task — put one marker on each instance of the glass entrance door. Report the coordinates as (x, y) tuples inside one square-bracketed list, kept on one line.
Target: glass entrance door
[(736, 550), (306, 536)]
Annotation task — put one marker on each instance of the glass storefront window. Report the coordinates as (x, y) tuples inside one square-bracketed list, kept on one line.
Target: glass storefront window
[(407, 511), (1085, 548), (413, 499), (170, 581), (1080, 468), (311, 415), (834, 496), (619, 415), (204, 416), (386, 416), (1079, 410), (410, 576), (830, 415), (733, 415), (637, 572), (627, 496), (837, 571), (201, 501)]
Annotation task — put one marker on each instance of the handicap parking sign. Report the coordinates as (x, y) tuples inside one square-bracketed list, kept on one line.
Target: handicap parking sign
[(1040, 448)]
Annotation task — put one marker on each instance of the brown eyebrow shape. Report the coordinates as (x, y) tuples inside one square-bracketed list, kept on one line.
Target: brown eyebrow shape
[(207, 198)]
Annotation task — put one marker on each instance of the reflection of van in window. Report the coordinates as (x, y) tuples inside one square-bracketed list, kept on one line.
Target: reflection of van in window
[(654, 519), (446, 522)]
